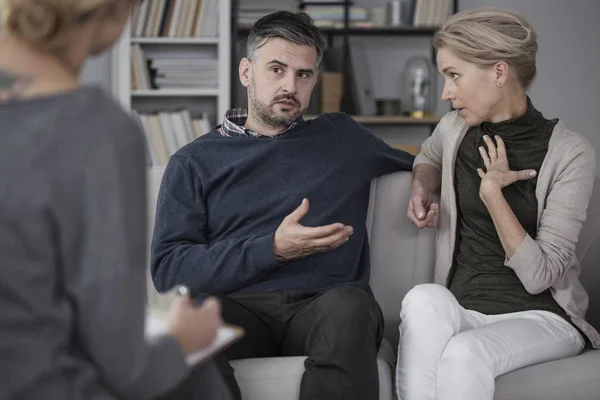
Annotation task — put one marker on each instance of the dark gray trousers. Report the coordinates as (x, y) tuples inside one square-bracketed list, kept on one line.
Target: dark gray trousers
[(340, 331)]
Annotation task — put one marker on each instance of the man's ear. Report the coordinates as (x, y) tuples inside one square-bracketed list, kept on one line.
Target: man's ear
[(245, 69)]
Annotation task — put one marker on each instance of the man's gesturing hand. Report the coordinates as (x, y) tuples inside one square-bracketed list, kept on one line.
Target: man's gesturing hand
[(293, 240)]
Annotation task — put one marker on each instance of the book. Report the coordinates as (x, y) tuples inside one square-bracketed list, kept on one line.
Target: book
[(362, 90), (168, 130)]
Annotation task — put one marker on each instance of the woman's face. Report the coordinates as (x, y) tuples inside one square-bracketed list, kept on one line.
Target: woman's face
[(471, 89)]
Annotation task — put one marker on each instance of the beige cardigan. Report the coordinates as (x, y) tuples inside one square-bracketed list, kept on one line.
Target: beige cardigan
[(564, 187)]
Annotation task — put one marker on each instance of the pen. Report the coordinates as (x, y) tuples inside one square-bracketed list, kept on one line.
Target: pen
[(182, 290)]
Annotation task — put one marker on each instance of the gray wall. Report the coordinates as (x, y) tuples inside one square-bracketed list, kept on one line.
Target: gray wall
[(97, 71)]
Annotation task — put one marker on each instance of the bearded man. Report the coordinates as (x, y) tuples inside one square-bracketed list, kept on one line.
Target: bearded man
[(268, 211)]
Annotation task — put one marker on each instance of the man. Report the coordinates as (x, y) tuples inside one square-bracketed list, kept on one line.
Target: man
[(234, 220)]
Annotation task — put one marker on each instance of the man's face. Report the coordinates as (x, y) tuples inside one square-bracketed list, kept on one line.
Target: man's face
[(280, 81)]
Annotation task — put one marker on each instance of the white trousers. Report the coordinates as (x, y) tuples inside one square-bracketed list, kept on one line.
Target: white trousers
[(449, 353)]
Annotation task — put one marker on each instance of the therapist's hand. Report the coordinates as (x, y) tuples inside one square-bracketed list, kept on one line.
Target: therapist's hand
[(194, 326)]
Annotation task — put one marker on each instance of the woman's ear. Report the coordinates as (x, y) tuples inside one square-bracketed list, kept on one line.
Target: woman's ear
[(501, 73)]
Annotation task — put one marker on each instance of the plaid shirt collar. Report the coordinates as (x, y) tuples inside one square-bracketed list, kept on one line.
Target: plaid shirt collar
[(233, 124)]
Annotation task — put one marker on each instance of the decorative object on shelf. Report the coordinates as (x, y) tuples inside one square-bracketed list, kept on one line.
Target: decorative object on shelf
[(388, 106), (331, 91), (394, 12), (378, 17), (418, 86)]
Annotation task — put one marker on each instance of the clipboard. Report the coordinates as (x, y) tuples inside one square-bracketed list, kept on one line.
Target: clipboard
[(226, 336), (156, 325)]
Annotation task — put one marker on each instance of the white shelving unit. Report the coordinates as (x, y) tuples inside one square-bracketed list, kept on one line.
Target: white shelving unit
[(215, 100), (177, 93), (165, 40)]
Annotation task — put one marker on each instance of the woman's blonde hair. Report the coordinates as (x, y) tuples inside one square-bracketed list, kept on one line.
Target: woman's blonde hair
[(487, 35), (44, 23)]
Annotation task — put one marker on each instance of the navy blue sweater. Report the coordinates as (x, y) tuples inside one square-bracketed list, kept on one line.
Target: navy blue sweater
[(222, 199)]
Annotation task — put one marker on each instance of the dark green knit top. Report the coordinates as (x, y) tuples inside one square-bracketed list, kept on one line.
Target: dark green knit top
[(481, 281)]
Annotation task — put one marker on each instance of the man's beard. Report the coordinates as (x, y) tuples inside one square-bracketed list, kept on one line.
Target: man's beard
[(266, 112)]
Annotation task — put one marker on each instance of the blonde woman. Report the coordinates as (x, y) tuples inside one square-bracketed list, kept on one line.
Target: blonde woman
[(72, 224), (515, 188)]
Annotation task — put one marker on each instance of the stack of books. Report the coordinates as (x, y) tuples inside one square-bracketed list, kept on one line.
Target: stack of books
[(182, 71), (176, 18), (333, 16), (156, 69), (251, 11), (430, 12), (168, 131)]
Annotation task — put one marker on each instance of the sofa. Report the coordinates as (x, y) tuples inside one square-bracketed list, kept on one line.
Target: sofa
[(403, 256)]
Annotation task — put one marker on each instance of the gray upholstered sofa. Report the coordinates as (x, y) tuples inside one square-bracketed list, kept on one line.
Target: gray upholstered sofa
[(403, 256)]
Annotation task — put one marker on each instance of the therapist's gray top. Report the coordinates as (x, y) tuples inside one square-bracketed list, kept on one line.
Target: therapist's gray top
[(73, 254)]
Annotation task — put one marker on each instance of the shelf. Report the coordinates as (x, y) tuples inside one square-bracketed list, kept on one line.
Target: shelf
[(374, 31), (175, 93), (389, 120), (175, 40), (324, 3)]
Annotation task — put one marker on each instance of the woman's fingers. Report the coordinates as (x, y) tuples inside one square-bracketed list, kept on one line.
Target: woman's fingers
[(491, 148), (485, 157), (501, 148)]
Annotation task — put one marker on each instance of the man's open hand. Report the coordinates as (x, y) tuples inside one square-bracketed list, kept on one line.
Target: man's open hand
[(293, 240)]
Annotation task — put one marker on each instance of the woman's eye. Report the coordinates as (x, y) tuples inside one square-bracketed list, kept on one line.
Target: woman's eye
[(455, 77)]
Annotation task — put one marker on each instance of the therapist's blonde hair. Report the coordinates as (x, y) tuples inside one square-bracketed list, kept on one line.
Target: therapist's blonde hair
[(44, 23)]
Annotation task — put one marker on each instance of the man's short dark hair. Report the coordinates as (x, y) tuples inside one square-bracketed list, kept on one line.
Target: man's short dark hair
[(297, 28)]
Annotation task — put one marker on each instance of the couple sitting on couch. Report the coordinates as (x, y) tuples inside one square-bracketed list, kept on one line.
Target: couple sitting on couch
[(267, 213)]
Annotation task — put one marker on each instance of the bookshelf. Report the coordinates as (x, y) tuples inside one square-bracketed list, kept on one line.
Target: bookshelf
[(171, 70), (366, 31), (389, 120), (165, 40)]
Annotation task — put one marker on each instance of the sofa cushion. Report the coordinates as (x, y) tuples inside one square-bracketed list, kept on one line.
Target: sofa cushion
[(574, 378), (402, 256), (588, 252), (279, 378)]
